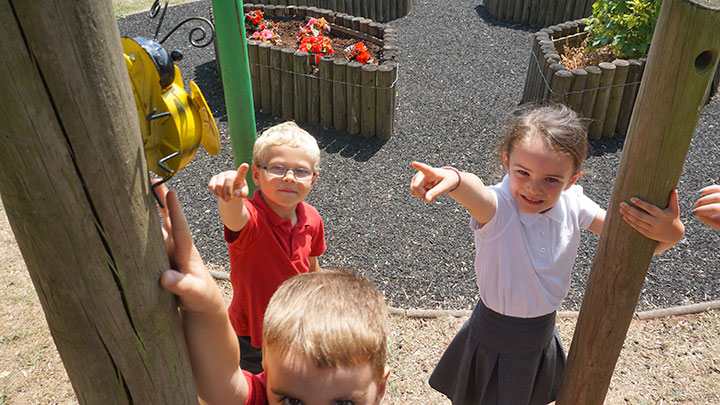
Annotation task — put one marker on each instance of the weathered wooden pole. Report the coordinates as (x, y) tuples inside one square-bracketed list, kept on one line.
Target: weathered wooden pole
[(681, 62), (75, 187)]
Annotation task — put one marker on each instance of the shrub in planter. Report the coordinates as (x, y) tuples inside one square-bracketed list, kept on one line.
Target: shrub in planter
[(597, 68), (624, 26)]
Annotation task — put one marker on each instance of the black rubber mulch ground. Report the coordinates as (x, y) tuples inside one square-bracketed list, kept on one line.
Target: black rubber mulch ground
[(461, 72)]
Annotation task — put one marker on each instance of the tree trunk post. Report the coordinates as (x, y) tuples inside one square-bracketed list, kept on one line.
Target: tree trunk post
[(681, 62), (75, 187)]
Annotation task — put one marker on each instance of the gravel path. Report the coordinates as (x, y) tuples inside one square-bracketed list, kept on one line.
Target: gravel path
[(419, 255)]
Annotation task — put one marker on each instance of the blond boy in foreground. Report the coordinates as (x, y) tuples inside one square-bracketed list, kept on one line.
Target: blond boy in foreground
[(324, 334)]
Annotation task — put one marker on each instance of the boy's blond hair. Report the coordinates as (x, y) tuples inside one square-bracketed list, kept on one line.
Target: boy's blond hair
[(289, 134), (333, 317)]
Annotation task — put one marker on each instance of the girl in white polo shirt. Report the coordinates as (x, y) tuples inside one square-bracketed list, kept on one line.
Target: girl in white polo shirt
[(527, 231)]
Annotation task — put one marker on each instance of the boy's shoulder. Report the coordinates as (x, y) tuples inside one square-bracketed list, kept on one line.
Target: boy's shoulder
[(257, 391)]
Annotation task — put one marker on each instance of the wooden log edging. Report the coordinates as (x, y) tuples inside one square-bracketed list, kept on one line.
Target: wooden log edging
[(541, 13), (605, 93), (346, 96), (377, 10), (679, 310)]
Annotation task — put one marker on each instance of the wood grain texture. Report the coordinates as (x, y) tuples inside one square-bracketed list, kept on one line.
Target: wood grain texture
[(75, 187), (683, 57)]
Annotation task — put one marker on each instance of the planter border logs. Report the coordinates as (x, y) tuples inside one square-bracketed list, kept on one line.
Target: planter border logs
[(604, 93), (377, 10), (540, 13), (346, 96)]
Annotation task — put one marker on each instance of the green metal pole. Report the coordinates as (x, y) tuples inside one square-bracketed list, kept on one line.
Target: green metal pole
[(235, 71)]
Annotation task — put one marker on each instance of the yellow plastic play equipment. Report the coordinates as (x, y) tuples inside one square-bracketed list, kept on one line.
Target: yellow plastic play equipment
[(173, 123)]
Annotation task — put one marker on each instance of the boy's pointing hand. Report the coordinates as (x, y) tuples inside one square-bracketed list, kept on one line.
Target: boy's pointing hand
[(230, 184)]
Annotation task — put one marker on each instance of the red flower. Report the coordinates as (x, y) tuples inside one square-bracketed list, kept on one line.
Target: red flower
[(317, 45), (360, 53), (255, 16)]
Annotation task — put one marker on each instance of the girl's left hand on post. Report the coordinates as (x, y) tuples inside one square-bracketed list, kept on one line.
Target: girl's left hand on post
[(662, 225)]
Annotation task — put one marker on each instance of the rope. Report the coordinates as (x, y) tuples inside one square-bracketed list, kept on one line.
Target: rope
[(392, 85), (547, 85), (437, 313)]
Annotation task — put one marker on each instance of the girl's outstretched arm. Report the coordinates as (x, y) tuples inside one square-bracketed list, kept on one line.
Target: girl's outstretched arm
[(465, 188), (707, 208), (661, 225), (211, 340)]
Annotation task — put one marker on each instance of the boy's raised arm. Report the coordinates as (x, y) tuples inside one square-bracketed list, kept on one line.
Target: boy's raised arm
[(465, 188), (231, 188), (211, 340)]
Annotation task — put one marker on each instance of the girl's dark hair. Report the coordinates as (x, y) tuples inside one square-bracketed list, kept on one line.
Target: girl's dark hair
[(560, 128)]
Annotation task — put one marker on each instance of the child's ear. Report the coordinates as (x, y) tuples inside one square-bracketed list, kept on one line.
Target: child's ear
[(382, 387), (315, 177), (506, 161), (255, 174), (573, 179)]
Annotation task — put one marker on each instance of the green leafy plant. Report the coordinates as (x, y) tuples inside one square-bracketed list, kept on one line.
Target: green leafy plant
[(624, 26)]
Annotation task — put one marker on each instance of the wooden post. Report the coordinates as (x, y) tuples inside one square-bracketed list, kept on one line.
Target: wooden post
[(562, 79), (569, 8), (560, 12), (576, 88), (590, 94), (288, 84), (313, 100), (616, 95), (76, 191), (339, 94), (518, 11), (601, 100), (683, 56), (369, 100), (580, 7), (276, 80), (326, 92), (554, 68), (385, 100), (392, 12), (354, 78), (629, 95), (301, 66), (264, 90)]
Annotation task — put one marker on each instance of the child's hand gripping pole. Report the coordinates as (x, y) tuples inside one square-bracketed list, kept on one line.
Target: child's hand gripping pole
[(191, 282), (211, 340), (430, 182), (662, 225)]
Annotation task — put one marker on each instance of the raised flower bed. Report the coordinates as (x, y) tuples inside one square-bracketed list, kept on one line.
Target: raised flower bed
[(376, 10), (540, 13), (604, 93), (326, 91)]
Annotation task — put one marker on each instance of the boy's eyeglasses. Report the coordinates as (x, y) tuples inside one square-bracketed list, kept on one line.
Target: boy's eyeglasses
[(300, 173)]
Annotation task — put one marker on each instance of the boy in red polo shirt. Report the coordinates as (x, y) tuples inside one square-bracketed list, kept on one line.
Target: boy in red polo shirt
[(273, 236)]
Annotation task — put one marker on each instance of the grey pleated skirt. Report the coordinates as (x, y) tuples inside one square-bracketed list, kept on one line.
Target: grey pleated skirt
[(498, 359)]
